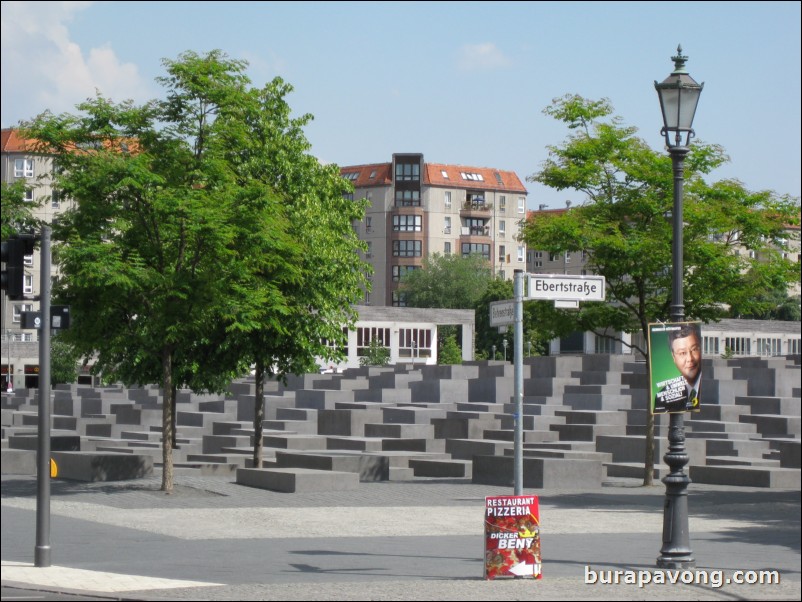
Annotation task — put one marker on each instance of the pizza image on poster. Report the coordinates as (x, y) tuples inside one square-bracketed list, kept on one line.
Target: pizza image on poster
[(512, 537)]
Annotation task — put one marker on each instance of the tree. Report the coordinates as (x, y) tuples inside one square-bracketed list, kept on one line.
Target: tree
[(624, 230), (16, 214), (376, 354), (450, 352), (182, 256), (447, 282), (63, 362)]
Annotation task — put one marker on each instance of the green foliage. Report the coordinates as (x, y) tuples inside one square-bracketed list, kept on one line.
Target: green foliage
[(447, 282), (450, 353), (624, 230), (63, 362), (376, 354), (16, 214), (204, 237)]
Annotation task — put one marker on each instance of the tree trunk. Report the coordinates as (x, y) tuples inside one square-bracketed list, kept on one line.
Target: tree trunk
[(258, 414), (167, 421)]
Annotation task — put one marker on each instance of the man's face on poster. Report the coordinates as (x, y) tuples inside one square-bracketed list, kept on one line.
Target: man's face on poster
[(687, 357)]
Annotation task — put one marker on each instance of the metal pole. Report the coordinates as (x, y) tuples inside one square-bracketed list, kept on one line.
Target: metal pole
[(676, 551), (518, 351), (42, 553)]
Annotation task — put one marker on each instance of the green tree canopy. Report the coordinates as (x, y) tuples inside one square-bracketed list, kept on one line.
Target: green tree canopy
[(625, 229), (447, 282), (203, 237), (16, 214)]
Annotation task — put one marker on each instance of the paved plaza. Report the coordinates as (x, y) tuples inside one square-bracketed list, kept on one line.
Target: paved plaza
[(213, 539)]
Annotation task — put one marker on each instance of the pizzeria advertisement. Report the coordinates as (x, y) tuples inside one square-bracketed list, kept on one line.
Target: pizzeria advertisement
[(512, 537)]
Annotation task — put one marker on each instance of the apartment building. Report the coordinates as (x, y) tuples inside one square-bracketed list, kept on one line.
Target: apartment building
[(20, 349), (418, 208)]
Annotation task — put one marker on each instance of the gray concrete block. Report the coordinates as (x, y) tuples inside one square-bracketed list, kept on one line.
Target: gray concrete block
[(449, 469), (790, 456), (58, 442), (295, 480), (538, 473), (346, 422), (369, 468), (466, 449), (101, 466), (18, 461), (747, 476)]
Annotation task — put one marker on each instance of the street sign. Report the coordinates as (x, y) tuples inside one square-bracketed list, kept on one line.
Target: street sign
[(502, 313), (563, 287)]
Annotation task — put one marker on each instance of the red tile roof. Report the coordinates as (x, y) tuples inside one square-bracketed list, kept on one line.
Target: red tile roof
[(12, 142), (492, 179)]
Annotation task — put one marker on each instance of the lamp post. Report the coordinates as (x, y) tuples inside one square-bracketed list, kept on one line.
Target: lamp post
[(505, 349), (494, 353), (679, 95)]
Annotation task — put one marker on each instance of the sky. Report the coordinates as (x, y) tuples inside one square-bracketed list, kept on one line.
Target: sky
[(461, 82)]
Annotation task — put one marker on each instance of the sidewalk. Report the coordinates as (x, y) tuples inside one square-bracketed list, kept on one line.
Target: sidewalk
[(422, 540)]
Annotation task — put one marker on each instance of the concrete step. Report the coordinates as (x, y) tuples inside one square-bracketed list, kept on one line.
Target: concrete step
[(295, 480)]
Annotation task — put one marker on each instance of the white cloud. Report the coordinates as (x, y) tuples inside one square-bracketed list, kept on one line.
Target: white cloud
[(481, 57), (44, 68)]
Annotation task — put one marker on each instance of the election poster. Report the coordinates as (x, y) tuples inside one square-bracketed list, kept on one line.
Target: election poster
[(512, 537), (675, 367)]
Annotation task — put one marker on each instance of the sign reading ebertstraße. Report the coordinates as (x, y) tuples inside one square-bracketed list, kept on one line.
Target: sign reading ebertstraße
[(566, 288)]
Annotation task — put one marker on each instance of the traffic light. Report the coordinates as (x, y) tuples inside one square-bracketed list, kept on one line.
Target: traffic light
[(14, 251)]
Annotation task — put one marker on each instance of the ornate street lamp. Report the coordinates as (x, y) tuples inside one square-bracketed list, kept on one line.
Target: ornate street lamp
[(679, 95)]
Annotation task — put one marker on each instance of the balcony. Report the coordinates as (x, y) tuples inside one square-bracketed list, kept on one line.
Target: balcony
[(476, 208)]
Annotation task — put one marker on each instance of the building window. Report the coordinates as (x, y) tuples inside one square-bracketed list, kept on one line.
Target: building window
[(469, 248), (55, 199), (407, 223), (407, 172), (28, 195), (400, 270), (521, 253), (348, 196), (369, 250), (368, 224), (27, 286), (447, 248), (502, 253), (407, 248), (407, 198), (444, 173), (372, 173), (604, 345), (447, 226), (502, 204), (447, 199), (738, 345), (18, 309), (794, 346), (502, 228), (521, 204), (769, 346), (351, 176), (366, 335), (538, 264), (474, 177), (710, 345), (399, 299), (552, 256), (23, 168), (568, 257), (476, 226), (414, 342), (28, 259)]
